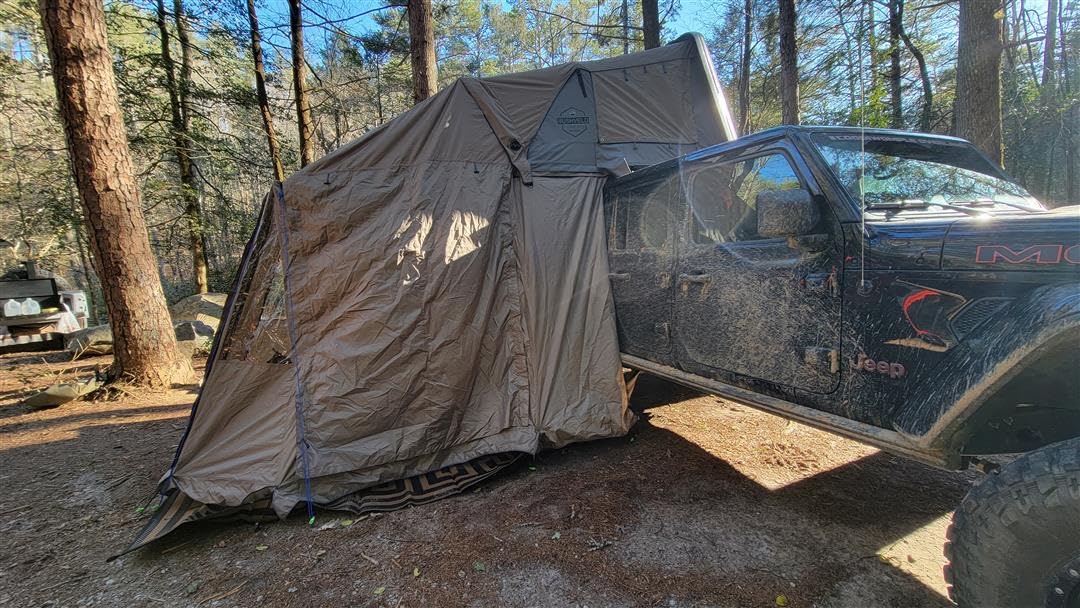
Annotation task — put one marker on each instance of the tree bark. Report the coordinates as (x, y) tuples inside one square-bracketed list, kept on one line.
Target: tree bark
[(303, 106), (260, 93), (180, 105), (422, 50), (926, 114), (144, 344), (1049, 47), (977, 109), (789, 64), (744, 67), (896, 119), (650, 23), (192, 206)]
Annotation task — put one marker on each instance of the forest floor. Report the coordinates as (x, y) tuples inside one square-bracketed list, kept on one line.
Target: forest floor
[(704, 503)]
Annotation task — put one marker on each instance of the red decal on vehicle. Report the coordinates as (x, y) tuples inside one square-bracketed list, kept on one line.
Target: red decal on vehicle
[(912, 300), (1037, 254)]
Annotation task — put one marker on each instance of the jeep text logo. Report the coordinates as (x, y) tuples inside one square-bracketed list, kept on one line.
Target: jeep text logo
[(885, 368), (1035, 254)]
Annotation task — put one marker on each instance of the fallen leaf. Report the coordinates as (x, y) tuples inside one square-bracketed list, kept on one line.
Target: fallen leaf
[(261, 547), (781, 600), (380, 590), (479, 566), (192, 588), (345, 523), (556, 536), (416, 572)]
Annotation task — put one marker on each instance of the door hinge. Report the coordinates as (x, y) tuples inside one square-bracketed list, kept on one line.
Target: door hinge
[(662, 329), (822, 358)]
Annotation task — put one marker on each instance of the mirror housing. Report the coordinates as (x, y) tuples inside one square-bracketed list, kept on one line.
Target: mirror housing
[(786, 213)]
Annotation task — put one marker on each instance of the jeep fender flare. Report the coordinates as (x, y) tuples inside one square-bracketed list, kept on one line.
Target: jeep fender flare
[(1042, 327)]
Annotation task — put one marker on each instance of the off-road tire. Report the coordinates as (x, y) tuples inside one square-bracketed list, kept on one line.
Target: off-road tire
[(1015, 540)]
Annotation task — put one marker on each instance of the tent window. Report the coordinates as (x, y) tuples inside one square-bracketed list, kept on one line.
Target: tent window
[(723, 197), (645, 103), (259, 330), (644, 217)]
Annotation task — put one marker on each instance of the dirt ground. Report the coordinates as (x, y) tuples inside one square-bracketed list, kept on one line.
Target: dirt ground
[(705, 503)]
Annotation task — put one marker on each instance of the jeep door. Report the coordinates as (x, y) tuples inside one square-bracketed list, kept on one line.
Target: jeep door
[(752, 310), (641, 218)]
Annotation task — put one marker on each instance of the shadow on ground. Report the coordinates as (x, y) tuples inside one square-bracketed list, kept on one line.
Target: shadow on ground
[(703, 504)]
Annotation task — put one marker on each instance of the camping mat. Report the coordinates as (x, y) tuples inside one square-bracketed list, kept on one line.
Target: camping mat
[(422, 489), (177, 509)]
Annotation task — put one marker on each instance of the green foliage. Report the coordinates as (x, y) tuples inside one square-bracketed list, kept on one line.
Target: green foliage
[(360, 78)]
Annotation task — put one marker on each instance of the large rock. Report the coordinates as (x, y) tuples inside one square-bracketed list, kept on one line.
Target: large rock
[(195, 319), (91, 341), (206, 308)]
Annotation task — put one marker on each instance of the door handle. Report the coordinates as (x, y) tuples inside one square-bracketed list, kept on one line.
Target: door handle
[(618, 276), (701, 279), (820, 284)]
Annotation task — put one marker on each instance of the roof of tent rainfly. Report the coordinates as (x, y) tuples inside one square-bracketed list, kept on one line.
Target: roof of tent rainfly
[(435, 294)]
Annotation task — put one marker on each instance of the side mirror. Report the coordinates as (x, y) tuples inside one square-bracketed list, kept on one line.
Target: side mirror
[(785, 213)]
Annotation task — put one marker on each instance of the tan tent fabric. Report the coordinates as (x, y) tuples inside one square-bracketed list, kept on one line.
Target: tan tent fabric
[(437, 290), (662, 116)]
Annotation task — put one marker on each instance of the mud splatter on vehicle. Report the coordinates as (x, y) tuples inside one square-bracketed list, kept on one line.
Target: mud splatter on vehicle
[(895, 288)]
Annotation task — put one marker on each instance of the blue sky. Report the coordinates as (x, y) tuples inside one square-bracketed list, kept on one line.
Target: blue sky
[(276, 13)]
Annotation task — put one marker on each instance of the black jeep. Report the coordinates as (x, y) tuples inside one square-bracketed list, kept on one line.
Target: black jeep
[(891, 287)]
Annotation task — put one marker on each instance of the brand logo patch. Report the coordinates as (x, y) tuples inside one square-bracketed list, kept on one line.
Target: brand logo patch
[(573, 121), (885, 368)]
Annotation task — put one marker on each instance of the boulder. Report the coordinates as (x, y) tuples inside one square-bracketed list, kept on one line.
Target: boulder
[(195, 319), (205, 308)]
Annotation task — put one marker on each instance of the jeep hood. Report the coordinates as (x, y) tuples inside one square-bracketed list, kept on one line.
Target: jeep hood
[(1044, 241)]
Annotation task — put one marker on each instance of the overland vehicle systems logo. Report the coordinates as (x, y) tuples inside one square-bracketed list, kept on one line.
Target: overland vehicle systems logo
[(573, 121)]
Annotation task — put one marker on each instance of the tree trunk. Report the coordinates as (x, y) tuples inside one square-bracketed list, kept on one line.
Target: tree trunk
[(789, 64), (260, 92), (927, 113), (871, 43), (180, 106), (650, 23), (977, 110), (144, 344), (1049, 47), (425, 77), (1072, 154), (192, 206), (303, 106), (896, 119), (744, 67)]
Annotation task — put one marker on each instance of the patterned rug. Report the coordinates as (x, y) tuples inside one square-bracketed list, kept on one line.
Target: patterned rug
[(177, 509)]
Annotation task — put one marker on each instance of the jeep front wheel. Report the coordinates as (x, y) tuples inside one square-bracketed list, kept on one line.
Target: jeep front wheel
[(1015, 540)]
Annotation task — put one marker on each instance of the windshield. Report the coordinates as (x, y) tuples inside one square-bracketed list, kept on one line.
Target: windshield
[(908, 172)]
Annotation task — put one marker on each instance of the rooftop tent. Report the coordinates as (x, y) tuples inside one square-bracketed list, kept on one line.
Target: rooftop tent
[(434, 296)]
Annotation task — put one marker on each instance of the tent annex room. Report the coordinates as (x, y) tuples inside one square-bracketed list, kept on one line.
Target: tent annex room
[(430, 301)]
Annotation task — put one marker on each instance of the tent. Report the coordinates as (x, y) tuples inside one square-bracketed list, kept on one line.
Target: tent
[(421, 305)]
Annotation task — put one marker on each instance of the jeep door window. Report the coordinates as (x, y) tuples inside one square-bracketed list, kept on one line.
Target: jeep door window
[(723, 197), (894, 172), (643, 216)]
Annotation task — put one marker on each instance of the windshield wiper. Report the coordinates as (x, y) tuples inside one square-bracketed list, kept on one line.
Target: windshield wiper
[(918, 203), (986, 202)]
